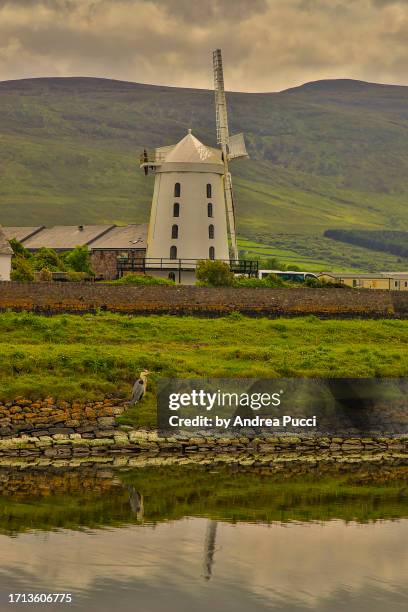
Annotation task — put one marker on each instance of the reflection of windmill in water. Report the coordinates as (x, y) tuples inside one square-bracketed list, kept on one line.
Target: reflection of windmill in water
[(209, 548)]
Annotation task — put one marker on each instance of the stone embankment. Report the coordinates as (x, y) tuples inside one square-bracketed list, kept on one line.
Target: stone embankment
[(137, 447), (51, 298), (48, 417)]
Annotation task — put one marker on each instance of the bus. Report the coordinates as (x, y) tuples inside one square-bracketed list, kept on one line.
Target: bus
[(288, 275)]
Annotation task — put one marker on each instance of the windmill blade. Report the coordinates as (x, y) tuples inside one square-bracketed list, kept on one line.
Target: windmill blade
[(237, 148), (220, 100), (229, 205), (224, 140)]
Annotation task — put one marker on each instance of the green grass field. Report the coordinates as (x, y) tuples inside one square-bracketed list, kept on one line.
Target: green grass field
[(319, 254), (78, 357)]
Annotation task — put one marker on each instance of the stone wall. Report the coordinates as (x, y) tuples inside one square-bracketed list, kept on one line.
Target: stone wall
[(49, 417), (127, 441), (57, 297)]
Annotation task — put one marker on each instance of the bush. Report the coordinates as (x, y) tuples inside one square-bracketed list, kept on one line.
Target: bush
[(140, 279), (214, 274), (19, 250), (22, 270), (316, 283), (76, 277), (44, 276), (48, 258), (79, 260), (270, 281)]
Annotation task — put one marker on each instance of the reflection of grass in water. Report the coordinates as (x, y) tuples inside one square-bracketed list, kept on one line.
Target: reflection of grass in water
[(222, 493), (225, 494)]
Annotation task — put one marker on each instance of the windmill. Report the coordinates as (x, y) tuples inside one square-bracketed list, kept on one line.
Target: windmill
[(233, 147)]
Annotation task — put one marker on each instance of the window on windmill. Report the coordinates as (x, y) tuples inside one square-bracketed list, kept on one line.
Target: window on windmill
[(210, 209), (174, 231), (211, 253), (177, 190), (176, 209), (209, 190), (211, 232), (173, 252)]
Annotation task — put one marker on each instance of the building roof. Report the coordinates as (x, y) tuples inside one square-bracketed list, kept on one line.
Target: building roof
[(5, 248), (123, 238), (21, 233), (191, 150), (65, 237), (372, 275)]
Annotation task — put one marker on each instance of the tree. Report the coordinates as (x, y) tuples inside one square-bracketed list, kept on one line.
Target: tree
[(19, 249), (22, 270), (214, 273), (79, 260), (48, 258)]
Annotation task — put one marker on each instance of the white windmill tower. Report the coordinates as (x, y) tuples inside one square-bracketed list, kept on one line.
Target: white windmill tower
[(192, 207)]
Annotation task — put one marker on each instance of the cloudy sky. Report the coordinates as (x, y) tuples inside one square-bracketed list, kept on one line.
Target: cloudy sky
[(268, 45)]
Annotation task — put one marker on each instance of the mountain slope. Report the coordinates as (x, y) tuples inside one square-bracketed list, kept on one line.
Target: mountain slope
[(330, 154)]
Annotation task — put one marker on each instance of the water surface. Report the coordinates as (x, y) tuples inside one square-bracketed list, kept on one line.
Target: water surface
[(206, 539)]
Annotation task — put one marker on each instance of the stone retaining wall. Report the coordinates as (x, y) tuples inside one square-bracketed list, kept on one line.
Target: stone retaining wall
[(49, 298), (245, 451), (48, 417)]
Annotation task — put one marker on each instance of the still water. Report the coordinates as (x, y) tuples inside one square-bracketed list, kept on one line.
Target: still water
[(189, 538)]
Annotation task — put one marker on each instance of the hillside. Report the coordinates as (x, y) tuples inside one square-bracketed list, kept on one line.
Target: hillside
[(330, 154)]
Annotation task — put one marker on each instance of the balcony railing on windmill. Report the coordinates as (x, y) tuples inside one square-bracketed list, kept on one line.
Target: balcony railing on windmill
[(151, 159), (138, 264)]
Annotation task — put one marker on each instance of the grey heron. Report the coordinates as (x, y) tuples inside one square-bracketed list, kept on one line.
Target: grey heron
[(139, 388)]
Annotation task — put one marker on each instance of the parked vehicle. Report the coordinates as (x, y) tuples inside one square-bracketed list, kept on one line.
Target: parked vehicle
[(287, 275)]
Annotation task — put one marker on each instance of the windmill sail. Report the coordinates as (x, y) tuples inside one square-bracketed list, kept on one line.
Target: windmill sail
[(224, 140)]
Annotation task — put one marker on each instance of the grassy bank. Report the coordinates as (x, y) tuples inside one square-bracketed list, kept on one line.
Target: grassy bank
[(74, 357)]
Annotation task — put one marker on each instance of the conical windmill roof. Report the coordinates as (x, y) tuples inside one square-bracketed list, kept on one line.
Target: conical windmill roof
[(191, 150)]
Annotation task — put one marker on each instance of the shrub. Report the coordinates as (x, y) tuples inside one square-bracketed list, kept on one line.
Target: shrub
[(76, 277), (140, 279), (214, 274), (270, 281), (45, 275), (19, 250), (22, 270), (48, 258), (79, 260)]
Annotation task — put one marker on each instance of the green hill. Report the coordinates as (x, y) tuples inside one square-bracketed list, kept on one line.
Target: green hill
[(330, 154)]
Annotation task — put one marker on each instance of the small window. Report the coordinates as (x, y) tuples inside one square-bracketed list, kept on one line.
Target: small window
[(210, 209), (211, 232), (177, 190), (406, 283), (176, 209), (211, 253), (173, 252), (174, 231), (209, 190)]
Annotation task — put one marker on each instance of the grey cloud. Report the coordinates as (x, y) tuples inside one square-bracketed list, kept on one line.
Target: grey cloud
[(208, 10), (268, 44)]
